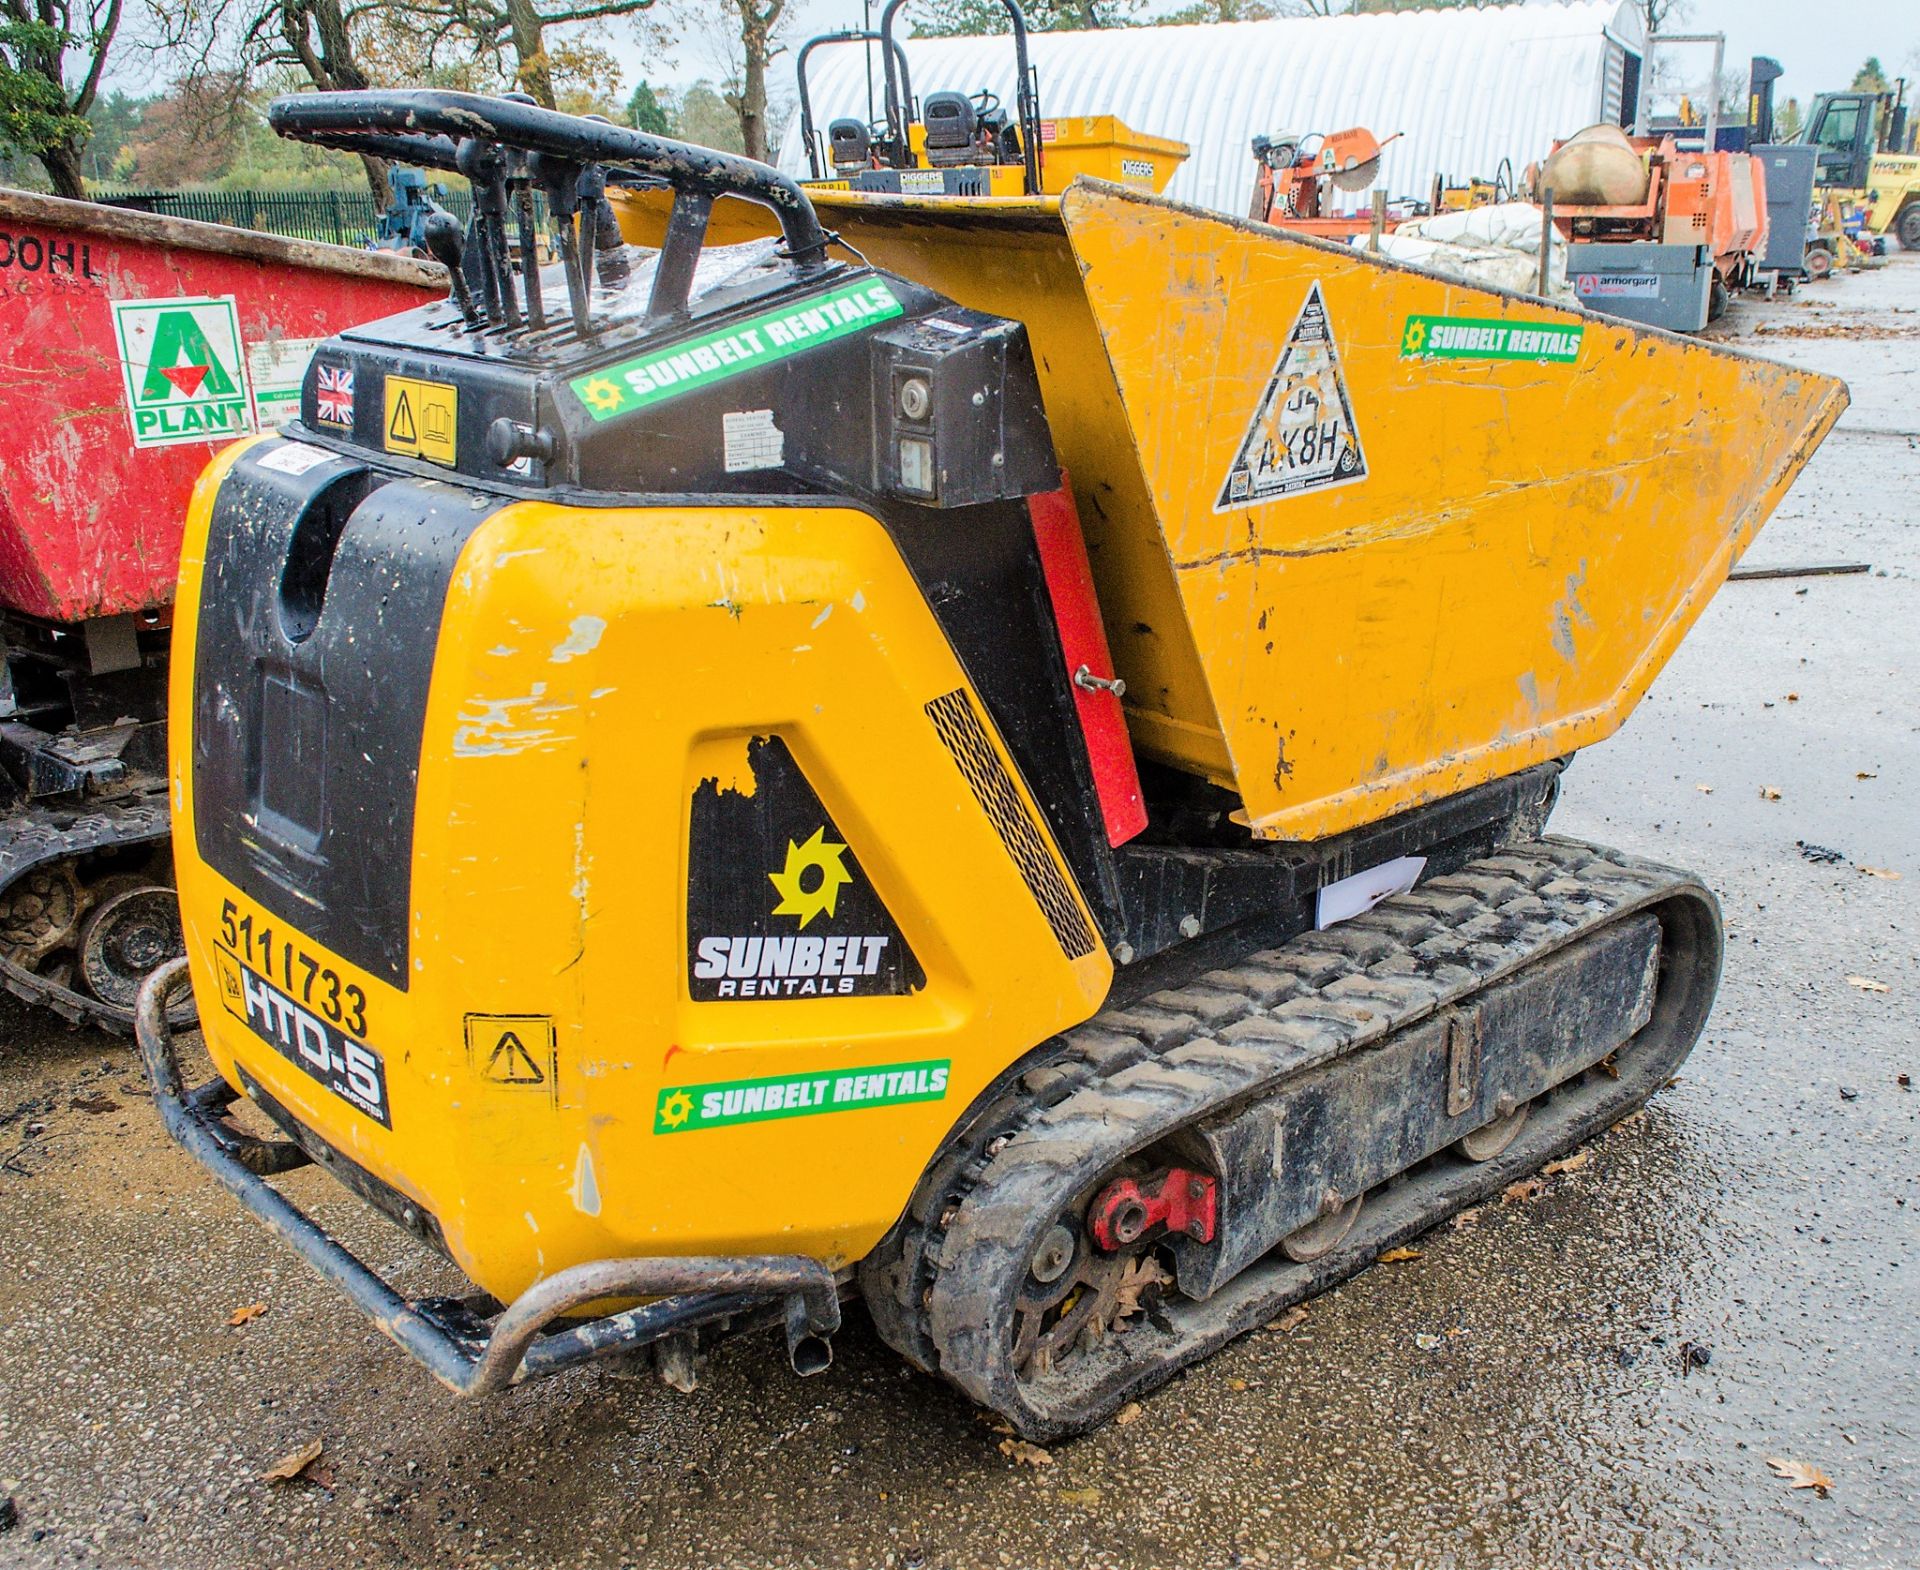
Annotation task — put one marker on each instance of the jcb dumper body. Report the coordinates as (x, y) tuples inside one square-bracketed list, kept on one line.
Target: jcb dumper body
[(998, 767)]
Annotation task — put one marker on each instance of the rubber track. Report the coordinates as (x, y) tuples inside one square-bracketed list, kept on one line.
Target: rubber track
[(38, 836), (942, 1285)]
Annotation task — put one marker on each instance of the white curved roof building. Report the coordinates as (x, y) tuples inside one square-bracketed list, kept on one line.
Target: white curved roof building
[(1465, 87)]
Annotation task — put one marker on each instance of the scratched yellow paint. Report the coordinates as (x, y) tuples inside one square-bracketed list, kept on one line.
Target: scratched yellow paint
[(586, 681)]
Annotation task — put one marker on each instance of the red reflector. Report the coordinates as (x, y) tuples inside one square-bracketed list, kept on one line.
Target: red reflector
[(1083, 640)]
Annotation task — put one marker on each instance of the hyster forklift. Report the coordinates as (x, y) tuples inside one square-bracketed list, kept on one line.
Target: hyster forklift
[(1865, 159), (992, 758)]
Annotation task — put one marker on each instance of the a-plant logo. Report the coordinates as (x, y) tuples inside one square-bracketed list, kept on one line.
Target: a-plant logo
[(806, 898), (184, 370)]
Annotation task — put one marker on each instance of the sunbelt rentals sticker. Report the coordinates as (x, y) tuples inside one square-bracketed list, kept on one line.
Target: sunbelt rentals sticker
[(1482, 338), (684, 1108), (748, 345), (184, 370)]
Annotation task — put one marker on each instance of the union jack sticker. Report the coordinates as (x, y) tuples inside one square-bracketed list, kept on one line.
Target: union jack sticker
[(333, 394)]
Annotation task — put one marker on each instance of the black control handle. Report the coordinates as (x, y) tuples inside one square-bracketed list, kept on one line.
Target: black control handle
[(426, 114)]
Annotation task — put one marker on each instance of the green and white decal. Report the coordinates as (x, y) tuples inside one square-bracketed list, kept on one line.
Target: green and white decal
[(184, 370), (1481, 338), (760, 340), (683, 1108)]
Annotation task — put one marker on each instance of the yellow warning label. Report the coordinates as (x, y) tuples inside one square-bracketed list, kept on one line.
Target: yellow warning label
[(422, 418), (231, 990), (516, 1051)]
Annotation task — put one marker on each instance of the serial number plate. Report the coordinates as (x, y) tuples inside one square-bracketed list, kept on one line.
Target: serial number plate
[(351, 1069)]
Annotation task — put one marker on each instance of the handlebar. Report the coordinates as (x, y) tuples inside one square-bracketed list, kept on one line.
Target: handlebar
[(573, 160)]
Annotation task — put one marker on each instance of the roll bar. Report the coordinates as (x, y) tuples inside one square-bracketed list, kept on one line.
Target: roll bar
[(849, 35), (1026, 94), (500, 143)]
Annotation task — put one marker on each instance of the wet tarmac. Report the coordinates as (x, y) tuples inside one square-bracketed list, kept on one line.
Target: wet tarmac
[(1594, 1376)]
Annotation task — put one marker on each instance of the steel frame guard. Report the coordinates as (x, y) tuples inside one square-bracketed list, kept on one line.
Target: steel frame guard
[(844, 36), (1026, 93), (690, 1291)]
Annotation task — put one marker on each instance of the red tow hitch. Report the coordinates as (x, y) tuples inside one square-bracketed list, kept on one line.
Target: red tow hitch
[(1128, 1208)]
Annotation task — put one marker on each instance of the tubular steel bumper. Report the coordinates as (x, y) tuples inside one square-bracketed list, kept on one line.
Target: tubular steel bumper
[(517, 1344)]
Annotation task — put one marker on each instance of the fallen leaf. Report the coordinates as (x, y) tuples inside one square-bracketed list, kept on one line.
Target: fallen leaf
[(1525, 1189), (1769, 792), (1467, 1218), (246, 1312), (1629, 1120), (1236, 1384), (1608, 1067), (1130, 1413), (1426, 1342), (1572, 1163), (1800, 1475), (290, 1466), (1139, 1275), (1868, 984), (1399, 1256), (1882, 872), (1026, 1454), (94, 1102), (1292, 1319), (1862, 774), (1077, 1496), (1793, 697)]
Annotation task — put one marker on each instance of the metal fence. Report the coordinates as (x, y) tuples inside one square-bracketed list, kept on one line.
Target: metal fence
[(338, 217)]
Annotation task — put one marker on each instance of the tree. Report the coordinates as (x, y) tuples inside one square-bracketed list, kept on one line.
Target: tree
[(39, 116), (191, 136), (114, 120), (758, 22), (1662, 14), (1870, 78), (494, 26), (644, 112), (1787, 121), (706, 119), (953, 18)]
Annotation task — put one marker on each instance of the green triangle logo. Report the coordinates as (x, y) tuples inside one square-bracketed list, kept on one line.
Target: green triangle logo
[(183, 361)]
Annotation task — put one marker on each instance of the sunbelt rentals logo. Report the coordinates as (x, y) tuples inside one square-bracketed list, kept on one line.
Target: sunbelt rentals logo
[(796, 965), (184, 370)]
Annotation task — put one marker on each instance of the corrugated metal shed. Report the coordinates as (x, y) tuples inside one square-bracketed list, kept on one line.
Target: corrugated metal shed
[(1466, 87)]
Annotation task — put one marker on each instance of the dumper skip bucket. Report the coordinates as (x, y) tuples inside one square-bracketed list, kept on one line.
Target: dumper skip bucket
[(1363, 536)]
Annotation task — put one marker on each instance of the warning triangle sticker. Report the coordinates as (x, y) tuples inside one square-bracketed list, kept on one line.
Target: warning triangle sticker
[(1302, 437), (401, 430), (512, 1064)]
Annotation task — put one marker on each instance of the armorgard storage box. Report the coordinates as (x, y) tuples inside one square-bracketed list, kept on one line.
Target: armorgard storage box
[(1661, 285)]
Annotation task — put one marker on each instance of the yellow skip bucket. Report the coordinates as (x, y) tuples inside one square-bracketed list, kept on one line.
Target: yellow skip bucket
[(1363, 536)]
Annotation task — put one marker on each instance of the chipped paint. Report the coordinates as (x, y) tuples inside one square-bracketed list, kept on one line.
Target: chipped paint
[(1567, 611), (582, 638), (498, 728), (586, 1183)]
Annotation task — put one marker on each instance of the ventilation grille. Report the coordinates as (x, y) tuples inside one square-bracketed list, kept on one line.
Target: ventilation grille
[(959, 726)]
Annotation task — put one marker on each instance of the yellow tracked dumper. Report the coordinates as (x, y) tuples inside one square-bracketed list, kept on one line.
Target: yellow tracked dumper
[(988, 755)]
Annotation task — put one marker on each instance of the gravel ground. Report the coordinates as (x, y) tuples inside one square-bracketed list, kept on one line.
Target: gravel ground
[(1520, 1395)]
